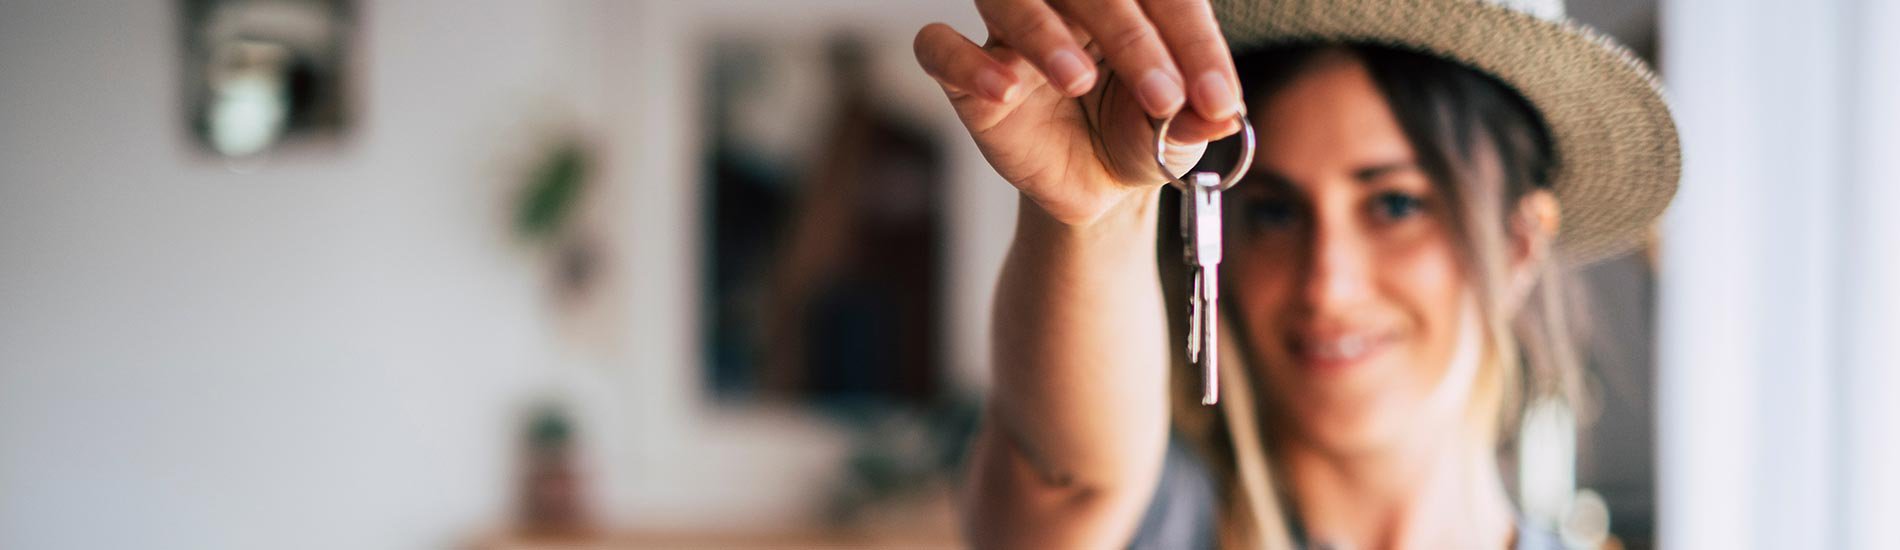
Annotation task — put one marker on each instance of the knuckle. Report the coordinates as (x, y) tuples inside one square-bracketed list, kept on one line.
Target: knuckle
[(1178, 6), (921, 40), (1037, 28), (929, 45), (1202, 44), (920, 46), (1125, 39), (937, 55), (1202, 53)]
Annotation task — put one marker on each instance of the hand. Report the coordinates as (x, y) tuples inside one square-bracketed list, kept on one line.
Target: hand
[(1076, 139)]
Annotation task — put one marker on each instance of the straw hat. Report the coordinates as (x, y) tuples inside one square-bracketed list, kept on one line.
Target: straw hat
[(1616, 150)]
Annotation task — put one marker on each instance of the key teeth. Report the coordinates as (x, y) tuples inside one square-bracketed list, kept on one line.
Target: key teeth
[(1195, 317), (1210, 381)]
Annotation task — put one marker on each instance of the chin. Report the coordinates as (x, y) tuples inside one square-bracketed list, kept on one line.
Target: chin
[(1350, 430), (1351, 407)]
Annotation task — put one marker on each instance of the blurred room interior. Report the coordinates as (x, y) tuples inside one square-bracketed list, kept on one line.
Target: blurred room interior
[(654, 273)]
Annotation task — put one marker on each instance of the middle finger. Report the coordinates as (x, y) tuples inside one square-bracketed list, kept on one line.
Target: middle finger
[(1192, 35), (1132, 47)]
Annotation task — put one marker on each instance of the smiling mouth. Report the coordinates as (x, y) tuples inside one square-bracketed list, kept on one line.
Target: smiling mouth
[(1338, 351)]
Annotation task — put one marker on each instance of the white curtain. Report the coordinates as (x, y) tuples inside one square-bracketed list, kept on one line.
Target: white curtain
[(1778, 392)]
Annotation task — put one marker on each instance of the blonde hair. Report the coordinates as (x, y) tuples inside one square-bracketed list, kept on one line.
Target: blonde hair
[(1485, 149)]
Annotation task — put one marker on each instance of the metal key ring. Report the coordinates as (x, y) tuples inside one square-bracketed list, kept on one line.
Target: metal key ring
[(1227, 181)]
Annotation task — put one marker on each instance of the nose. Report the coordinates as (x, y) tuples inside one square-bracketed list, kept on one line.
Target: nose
[(1338, 265)]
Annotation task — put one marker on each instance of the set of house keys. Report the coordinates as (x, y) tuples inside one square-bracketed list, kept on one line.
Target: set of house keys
[(1201, 235)]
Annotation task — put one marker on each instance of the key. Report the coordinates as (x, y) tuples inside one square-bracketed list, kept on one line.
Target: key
[(1200, 232)]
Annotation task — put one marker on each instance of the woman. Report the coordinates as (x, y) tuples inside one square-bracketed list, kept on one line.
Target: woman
[(1423, 170)]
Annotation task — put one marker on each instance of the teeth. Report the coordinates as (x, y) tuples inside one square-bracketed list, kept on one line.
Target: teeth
[(1352, 346), (1341, 349)]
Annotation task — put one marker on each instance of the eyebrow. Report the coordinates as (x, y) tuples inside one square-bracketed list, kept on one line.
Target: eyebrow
[(1364, 175), (1372, 173)]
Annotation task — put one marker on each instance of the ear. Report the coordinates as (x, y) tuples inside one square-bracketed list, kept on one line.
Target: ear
[(1534, 224)]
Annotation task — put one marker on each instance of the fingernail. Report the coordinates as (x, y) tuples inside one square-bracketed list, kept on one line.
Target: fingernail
[(1215, 99), (1070, 73), (1159, 94), (992, 84)]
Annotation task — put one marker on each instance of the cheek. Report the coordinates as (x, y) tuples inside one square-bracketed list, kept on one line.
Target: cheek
[(1426, 281), (1261, 285), (1426, 276), (1262, 270)]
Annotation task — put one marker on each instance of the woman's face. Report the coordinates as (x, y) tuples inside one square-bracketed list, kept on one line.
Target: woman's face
[(1345, 270)]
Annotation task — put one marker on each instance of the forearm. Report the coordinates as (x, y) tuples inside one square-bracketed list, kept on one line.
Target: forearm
[(1078, 410)]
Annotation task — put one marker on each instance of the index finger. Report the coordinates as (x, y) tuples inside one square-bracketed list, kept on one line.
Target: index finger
[(1207, 67)]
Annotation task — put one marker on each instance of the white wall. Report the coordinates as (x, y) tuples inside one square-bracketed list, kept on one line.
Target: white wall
[(327, 353), (332, 351), (1779, 305)]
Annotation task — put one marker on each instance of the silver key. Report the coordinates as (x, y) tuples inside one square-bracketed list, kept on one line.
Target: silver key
[(1200, 233)]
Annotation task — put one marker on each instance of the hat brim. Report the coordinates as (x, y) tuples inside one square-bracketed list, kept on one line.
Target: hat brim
[(1616, 149)]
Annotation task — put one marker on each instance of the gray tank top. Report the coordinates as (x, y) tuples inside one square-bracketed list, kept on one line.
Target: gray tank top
[(1182, 513)]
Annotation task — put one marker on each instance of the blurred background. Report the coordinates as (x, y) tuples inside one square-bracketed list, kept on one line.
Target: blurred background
[(716, 274)]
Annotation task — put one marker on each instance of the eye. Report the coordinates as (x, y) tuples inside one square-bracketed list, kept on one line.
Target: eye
[(1266, 213), (1393, 205)]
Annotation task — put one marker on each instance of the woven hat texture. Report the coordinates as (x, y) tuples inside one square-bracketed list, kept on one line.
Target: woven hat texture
[(1617, 155)]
